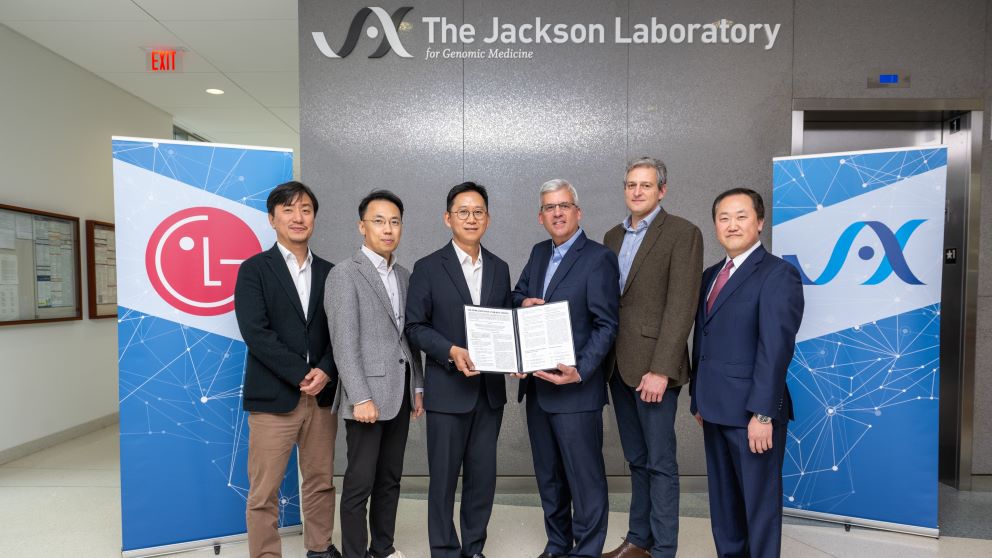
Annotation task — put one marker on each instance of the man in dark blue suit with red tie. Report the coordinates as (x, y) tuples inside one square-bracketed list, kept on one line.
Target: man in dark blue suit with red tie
[(565, 406), (464, 408), (750, 308)]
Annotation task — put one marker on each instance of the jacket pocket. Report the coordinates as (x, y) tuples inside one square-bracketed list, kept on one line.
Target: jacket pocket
[(650, 331)]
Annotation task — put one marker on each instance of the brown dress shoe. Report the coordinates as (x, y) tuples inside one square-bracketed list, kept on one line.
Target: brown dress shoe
[(627, 550)]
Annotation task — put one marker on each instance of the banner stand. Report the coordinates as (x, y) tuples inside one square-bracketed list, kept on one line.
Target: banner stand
[(186, 215), (865, 230), (847, 522), (206, 543)]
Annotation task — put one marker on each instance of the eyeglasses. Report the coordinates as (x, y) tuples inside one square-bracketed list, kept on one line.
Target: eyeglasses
[(552, 207), (463, 214), (379, 222)]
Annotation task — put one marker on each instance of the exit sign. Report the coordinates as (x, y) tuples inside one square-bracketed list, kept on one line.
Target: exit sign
[(164, 60)]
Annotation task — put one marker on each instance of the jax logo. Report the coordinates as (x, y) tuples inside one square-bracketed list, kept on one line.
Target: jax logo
[(893, 260), (390, 26)]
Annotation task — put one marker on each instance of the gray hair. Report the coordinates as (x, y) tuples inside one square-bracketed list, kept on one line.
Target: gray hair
[(650, 163), (556, 184)]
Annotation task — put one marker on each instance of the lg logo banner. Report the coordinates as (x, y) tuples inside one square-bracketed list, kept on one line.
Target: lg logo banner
[(390, 26)]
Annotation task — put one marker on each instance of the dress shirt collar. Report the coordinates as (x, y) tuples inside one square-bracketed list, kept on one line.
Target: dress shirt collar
[(378, 261), (563, 248), (741, 257), (643, 223), (291, 258), (464, 258)]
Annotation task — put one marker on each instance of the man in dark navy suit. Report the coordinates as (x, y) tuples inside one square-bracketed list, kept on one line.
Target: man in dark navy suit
[(464, 408), (750, 308), (290, 377), (565, 405)]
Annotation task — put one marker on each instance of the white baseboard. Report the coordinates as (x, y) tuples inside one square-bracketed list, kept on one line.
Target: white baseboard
[(27, 448)]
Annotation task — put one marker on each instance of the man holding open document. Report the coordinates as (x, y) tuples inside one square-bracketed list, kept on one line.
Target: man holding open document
[(464, 408), (565, 404)]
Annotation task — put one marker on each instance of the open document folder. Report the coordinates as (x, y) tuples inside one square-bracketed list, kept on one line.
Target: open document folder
[(505, 341)]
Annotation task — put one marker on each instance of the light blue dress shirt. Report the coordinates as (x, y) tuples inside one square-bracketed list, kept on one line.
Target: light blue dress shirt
[(632, 243), (557, 255)]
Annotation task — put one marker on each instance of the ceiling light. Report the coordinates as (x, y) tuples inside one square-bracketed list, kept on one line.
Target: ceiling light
[(213, 91)]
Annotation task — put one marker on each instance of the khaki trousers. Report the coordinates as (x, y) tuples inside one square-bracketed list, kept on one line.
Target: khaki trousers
[(270, 443)]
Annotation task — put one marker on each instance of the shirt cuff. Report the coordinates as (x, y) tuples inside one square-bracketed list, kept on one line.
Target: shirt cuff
[(360, 402), (418, 390)]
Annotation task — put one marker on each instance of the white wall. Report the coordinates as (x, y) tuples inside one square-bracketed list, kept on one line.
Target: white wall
[(56, 120)]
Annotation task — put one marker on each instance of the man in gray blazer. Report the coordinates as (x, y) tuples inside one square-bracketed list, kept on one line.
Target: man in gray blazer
[(381, 380), (661, 263)]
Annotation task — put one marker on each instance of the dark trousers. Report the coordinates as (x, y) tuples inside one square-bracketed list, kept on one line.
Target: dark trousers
[(647, 434), (568, 464), (745, 492), (375, 465), (463, 442)]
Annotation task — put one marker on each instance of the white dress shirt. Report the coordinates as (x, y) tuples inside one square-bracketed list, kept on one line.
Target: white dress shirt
[(301, 275), (472, 271), (388, 277), (737, 264)]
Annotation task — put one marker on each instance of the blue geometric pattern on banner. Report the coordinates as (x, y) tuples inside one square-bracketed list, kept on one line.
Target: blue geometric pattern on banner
[(242, 175), (867, 398), (844, 176), (181, 415)]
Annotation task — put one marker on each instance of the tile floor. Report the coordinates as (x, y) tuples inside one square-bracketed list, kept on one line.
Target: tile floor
[(65, 501)]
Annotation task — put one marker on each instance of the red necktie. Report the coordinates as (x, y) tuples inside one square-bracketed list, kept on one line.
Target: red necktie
[(721, 280)]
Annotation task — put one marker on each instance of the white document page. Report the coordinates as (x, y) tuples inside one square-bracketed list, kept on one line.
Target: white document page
[(491, 343), (7, 222), (545, 336)]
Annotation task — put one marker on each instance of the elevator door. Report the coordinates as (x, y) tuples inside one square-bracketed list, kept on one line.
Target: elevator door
[(827, 131)]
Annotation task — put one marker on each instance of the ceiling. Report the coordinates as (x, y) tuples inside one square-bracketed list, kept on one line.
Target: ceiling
[(248, 48)]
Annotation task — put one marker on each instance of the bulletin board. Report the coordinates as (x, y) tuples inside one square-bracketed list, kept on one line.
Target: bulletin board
[(39, 266), (101, 269)]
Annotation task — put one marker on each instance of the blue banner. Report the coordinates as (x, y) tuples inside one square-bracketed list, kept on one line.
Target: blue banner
[(187, 214), (865, 229)]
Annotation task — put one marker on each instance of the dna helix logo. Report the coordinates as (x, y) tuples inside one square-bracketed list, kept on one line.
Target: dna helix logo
[(390, 26), (893, 259)]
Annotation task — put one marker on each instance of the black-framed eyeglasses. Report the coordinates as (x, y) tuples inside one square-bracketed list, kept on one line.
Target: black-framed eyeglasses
[(463, 214), (551, 207)]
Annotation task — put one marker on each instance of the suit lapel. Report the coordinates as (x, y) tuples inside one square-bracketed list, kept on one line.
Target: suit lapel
[(749, 266), (566, 264), (278, 266), (651, 236), (318, 274), (371, 275), (542, 260), (453, 267), (488, 275)]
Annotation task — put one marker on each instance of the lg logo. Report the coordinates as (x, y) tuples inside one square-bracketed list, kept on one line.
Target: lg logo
[(893, 258), (391, 39), (193, 256)]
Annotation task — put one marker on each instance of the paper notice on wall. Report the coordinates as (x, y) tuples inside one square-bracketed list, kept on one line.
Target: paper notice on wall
[(9, 309), (7, 224), (8, 269), (25, 230), (44, 294)]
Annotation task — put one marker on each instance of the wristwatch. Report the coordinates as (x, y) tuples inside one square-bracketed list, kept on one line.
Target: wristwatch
[(762, 418)]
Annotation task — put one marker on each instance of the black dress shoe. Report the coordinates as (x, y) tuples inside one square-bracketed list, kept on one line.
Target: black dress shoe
[(331, 552)]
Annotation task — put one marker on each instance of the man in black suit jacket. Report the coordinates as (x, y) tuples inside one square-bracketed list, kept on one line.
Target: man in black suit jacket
[(290, 377), (464, 408)]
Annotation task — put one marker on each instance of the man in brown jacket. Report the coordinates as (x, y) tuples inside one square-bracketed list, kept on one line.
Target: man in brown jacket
[(661, 263)]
